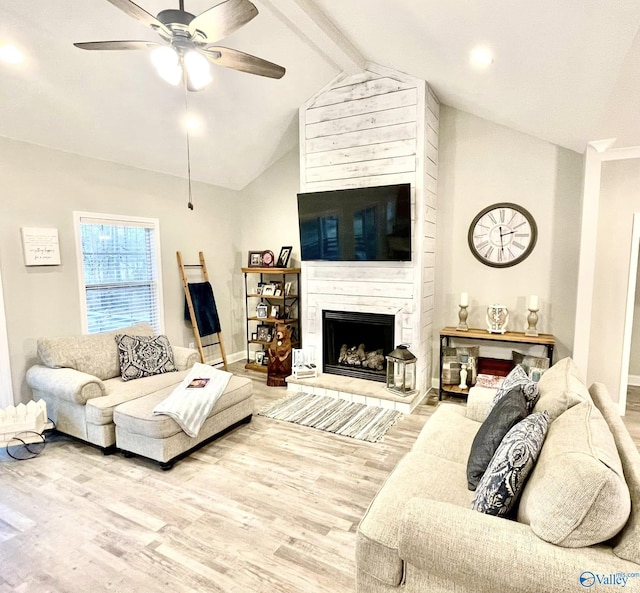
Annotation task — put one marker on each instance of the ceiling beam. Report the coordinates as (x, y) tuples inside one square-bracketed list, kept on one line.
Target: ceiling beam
[(311, 24)]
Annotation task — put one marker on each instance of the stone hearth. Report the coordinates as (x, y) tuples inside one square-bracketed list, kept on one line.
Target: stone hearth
[(360, 391)]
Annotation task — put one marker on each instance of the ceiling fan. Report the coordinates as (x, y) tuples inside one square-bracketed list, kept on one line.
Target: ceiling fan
[(188, 42)]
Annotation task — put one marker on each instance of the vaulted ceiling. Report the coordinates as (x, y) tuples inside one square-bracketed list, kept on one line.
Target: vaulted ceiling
[(567, 72)]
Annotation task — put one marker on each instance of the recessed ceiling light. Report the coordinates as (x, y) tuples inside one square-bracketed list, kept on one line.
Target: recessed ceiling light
[(11, 54), (192, 123), (481, 57)]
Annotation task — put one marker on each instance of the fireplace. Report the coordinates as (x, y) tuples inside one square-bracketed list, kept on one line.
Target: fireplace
[(355, 344)]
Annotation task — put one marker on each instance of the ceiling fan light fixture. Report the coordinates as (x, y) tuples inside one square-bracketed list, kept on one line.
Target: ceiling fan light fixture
[(166, 61), (198, 70)]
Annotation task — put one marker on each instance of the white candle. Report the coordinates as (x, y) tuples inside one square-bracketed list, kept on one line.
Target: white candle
[(464, 299), (533, 302)]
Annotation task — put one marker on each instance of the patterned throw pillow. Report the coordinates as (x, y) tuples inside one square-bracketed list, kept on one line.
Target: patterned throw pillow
[(143, 356), (510, 466), (518, 377)]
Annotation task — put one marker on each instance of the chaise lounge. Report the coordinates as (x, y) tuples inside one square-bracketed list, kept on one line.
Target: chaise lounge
[(80, 379)]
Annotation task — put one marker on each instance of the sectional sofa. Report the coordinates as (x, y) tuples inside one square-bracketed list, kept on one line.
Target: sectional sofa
[(577, 523)]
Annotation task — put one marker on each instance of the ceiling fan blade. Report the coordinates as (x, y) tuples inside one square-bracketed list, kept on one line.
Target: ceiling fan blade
[(116, 45), (232, 58), (223, 19), (133, 10)]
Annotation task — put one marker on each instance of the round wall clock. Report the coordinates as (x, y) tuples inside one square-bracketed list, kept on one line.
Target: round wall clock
[(502, 235)]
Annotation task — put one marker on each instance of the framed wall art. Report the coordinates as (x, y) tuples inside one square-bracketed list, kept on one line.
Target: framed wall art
[(40, 246)]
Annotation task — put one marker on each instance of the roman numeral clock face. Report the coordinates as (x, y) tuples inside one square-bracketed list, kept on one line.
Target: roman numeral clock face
[(502, 235)]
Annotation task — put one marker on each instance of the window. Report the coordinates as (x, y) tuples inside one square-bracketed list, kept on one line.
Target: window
[(119, 268)]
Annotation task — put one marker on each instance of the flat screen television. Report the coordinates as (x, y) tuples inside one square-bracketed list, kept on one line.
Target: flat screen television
[(361, 224)]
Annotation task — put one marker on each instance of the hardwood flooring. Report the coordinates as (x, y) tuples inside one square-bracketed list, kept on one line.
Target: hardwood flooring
[(270, 507)]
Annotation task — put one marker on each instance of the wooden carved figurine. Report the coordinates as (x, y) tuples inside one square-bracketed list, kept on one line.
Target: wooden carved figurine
[(279, 356)]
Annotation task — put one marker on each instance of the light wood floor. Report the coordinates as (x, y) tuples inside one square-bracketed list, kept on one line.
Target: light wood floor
[(271, 507)]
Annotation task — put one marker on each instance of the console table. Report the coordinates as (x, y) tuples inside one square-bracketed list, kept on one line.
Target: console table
[(448, 334)]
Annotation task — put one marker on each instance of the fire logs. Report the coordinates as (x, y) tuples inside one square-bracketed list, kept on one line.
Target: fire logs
[(360, 357)]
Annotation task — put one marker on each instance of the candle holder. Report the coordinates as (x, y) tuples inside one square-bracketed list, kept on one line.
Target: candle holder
[(462, 318), (463, 375), (532, 320)]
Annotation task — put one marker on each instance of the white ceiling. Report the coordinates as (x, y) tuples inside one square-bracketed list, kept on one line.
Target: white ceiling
[(567, 72)]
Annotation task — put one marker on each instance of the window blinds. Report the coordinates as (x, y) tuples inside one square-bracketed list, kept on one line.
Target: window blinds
[(120, 270)]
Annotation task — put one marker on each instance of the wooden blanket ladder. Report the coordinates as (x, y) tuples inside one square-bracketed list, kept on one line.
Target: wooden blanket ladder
[(202, 266)]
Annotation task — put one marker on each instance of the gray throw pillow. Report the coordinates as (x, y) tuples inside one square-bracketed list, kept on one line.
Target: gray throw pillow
[(144, 356), (509, 410), (518, 377), (504, 480)]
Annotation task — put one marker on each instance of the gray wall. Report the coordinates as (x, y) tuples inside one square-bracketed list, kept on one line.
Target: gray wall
[(42, 187), (634, 359), (482, 163)]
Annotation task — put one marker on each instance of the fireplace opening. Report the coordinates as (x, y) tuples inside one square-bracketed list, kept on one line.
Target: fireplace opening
[(356, 344)]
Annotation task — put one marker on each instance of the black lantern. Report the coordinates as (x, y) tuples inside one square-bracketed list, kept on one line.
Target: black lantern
[(401, 371)]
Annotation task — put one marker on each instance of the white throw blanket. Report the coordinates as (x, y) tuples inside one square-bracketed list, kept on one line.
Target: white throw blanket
[(191, 402)]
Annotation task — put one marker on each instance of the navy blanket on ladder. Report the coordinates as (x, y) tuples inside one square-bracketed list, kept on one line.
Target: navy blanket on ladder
[(204, 306)]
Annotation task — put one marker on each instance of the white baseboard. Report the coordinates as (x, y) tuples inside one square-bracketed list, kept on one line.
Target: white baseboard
[(235, 357), (634, 380)]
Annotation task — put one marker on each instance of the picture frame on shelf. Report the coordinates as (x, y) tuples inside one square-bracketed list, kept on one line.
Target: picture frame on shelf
[(255, 259), (259, 356), (268, 290), (262, 333), (287, 288), (254, 336), (275, 311), (285, 255), (268, 259), (261, 311), (278, 292)]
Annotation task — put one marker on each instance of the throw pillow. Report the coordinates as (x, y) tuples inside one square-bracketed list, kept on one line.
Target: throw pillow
[(518, 377), (529, 362), (510, 410), (561, 388), (502, 483), (144, 356)]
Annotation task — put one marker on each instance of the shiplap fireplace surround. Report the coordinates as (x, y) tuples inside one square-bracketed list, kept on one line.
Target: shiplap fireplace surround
[(378, 127)]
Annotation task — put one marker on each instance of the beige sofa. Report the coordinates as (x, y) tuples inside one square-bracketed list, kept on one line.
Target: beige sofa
[(573, 519), (79, 378)]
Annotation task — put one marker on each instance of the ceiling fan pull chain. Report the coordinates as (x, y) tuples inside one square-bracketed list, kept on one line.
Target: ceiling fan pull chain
[(186, 113)]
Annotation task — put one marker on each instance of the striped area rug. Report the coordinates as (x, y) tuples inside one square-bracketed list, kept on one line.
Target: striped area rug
[(365, 423)]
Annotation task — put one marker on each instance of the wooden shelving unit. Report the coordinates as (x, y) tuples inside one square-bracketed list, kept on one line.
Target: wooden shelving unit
[(252, 277), (448, 334)]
